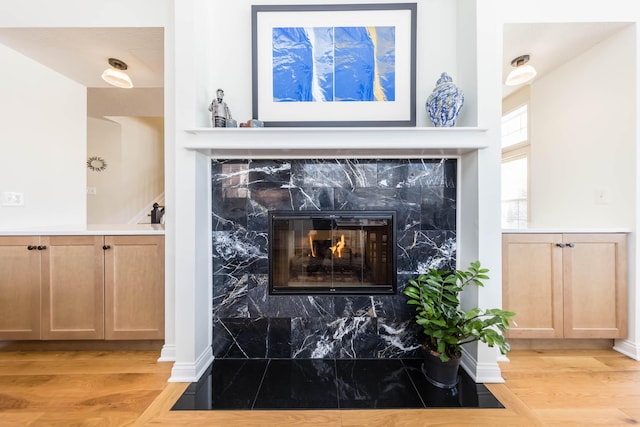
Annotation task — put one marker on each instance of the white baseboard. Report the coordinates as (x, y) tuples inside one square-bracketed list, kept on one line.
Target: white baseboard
[(628, 348), (481, 372), (168, 353), (192, 371)]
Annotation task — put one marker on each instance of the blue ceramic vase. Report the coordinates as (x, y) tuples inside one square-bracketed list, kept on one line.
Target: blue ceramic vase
[(445, 102)]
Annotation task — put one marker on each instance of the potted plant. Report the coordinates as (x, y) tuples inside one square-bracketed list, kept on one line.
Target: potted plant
[(447, 326)]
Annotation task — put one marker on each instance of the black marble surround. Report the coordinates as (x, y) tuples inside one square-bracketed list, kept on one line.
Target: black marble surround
[(249, 323)]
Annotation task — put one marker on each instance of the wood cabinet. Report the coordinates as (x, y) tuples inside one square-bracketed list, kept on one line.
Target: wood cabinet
[(72, 286), (81, 287), (19, 288), (134, 287), (565, 285)]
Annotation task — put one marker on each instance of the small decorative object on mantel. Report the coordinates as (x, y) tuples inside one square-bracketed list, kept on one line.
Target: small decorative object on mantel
[(445, 102), (252, 123), (220, 112)]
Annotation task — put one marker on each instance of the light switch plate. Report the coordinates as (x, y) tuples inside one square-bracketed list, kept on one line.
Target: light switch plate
[(11, 198), (602, 195)]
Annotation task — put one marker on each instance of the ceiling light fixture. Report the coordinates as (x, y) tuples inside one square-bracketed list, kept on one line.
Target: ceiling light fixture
[(522, 73), (116, 76)]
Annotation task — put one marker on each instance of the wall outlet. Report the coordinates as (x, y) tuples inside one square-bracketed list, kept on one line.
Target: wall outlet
[(11, 198), (91, 190), (603, 195)]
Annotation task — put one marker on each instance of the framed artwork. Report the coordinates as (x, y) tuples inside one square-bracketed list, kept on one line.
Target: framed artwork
[(334, 65)]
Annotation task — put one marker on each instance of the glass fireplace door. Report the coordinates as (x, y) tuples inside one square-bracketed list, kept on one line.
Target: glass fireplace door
[(336, 252)]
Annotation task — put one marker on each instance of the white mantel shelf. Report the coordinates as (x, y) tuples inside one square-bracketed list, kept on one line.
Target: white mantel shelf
[(331, 142)]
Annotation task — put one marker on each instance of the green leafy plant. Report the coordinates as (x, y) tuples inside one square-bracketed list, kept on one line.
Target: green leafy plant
[(446, 326)]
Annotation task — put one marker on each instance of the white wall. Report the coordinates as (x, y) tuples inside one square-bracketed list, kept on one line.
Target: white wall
[(134, 150), (583, 137), (142, 162), (104, 141), (42, 144), (138, 102), (223, 55), (86, 13)]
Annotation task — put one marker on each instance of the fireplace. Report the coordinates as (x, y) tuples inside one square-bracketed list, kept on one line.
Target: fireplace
[(250, 320), (332, 252)]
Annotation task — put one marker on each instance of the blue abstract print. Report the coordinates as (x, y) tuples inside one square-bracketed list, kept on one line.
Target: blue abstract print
[(292, 65), (333, 64)]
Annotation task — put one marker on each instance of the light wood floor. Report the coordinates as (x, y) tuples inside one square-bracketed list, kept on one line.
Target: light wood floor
[(107, 388)]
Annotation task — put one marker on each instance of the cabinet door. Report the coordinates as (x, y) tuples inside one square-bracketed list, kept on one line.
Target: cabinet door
[(595, 286), (19, 288), (532, 284), (134, 287), (72, 287)]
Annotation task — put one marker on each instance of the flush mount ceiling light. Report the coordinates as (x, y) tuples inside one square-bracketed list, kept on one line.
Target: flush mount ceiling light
[(522, 73), (116, 76)]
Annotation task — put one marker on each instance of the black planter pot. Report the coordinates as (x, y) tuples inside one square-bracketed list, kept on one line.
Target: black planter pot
[(440, 374)]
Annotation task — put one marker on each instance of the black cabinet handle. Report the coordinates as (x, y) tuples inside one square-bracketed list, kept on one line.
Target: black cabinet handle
[(106, 247), (566, 245), (32, 247), (42, 248)]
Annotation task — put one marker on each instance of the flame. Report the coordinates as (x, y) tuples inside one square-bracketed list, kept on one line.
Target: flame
[(338, 247), (335, 249), (312, 233)]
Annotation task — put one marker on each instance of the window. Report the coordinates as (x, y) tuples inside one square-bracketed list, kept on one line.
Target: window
[(514, 192), (515, 168), (514, 127)]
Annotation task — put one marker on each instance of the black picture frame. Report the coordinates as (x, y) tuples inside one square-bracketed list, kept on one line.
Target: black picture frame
[(399, 111)]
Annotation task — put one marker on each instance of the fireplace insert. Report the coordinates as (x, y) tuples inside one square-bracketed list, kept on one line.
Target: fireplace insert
[(332, 252)]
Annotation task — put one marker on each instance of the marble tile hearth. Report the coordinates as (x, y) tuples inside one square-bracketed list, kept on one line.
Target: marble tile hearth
[(240, 384)]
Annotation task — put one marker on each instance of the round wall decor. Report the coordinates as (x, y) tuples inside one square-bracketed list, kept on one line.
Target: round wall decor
[(96, 164)]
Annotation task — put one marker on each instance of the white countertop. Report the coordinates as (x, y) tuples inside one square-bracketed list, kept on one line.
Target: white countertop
[(90, 229), (565, 230)]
